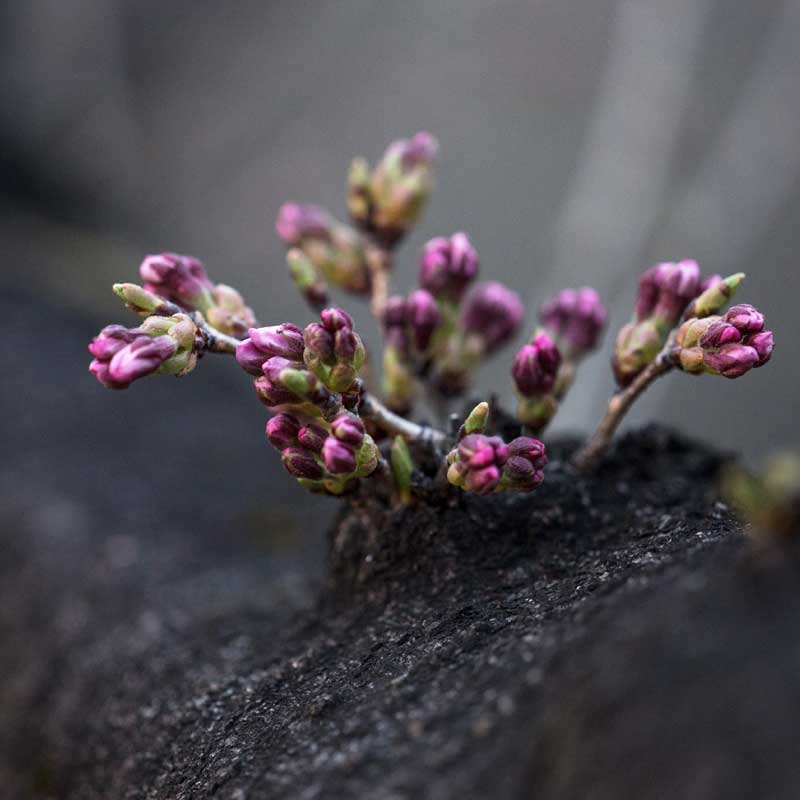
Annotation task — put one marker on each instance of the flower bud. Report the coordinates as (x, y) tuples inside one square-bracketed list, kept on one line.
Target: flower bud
[(637, 345), (141, 357), (477, 419), (665, 290), (334, 352), (745, 318), (181, 279), (536, 366), (306, 278), (390, 199), (717, 291), (493, 312), (448, 266), (228, 312), (730, 345), (282, 431), (330, 248), (335, 319), (575, 319), (476, 463), (302, 464), (298, 222), (285, 341), (312, 437), (339, 458), (422, 313), (524, 469), (349, 429), (141, 301)]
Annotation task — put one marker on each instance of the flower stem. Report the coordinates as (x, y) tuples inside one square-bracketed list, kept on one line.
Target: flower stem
[(372, 408), (588, 457)]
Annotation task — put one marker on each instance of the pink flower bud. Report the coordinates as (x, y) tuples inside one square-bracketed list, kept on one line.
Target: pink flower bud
[(763, 344), (576, 319), (282, 431), (111, 340), (285, 340), (339, 458), (422, 313), (249, 357), (335, 319), (745, 318), (181, 279), (536, 366), (493, 312), (297, 222), (448, 266), (394, 312), (731, 360), (718, 334), (666, 289), (141, 357), (349, 429)]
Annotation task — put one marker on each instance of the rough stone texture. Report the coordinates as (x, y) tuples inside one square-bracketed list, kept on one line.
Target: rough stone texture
[(599, 638)]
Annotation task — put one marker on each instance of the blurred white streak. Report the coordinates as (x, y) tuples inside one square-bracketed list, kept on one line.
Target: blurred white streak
[(754, 167), (617, 188)]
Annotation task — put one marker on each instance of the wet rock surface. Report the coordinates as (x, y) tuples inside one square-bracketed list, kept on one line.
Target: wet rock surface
[(606, 638)]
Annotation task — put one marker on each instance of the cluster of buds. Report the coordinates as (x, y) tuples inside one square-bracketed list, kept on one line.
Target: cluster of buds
[(322, 250), (389, 199), (490, 316), (183, 280), (665, 291), (572, 325), (325, 457), (729, 345), (486, 464), (160, 345), (439, 334)]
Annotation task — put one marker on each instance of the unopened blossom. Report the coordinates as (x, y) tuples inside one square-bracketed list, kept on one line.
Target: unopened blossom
[(307, 278), (334, 250), (665, 291), (282, 430), (524, 468), (728, 345), (493, 313), (286, 386), (476, 463), (389, 199), (333, 350), (717, 292), (423, 317), (575, 319), (536, 366), (166, 345), (181, 279), (284, 340), (448, 265)]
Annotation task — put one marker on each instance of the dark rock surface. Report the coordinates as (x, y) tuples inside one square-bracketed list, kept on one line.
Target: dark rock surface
[(607, 638)]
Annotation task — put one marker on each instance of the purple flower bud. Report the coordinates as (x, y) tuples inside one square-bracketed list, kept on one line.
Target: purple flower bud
[(524, 470), (763, 344), (282, 431), (719, 333), (482, 481), (448, 266), (273, 367), (576, 319), (536, 366), (297, 222), (339, 458), (181, 279), (319, 342), (422, 148), (666, 289), (143, 356), (493, 312), (302, 464), (394, 312), (349, 429), (335, 319), (731, 360), (285, 340), (312, 437), (745, 318), (274, 395), (346, 344), (250, 358), (529, 448), (111, 340), (423, 316)]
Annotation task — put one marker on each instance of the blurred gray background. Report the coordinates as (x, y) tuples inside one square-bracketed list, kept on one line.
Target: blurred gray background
[(582, 140)]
